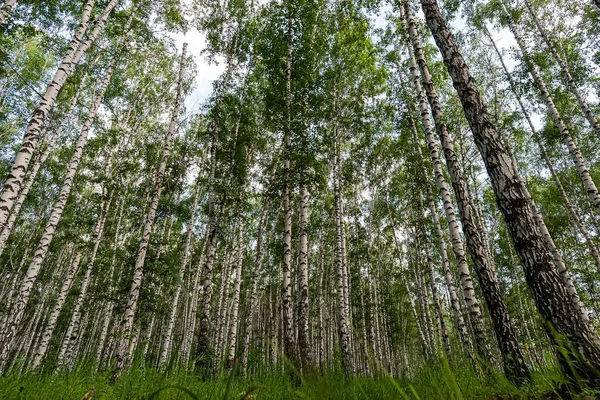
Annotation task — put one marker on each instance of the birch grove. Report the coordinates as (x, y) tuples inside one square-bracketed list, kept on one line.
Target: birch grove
[(399, 197)]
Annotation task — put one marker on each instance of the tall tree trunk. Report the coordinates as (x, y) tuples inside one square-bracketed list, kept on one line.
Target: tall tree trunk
[(212, 238), (77, 48), (573, 338), (463, 333), (223, 295), (233, 319), (512, 356), (558, 260), (212, 229), (320, 345), (60, 301), (443, 332), (568, 139), (288, 333), (134, 291), (466, 281), (73, 331), (50, 230), (39, 161), (585, 108), (302, 325), (424, 338), (112, 276), (342, 291), (182, 268), (254, 289)]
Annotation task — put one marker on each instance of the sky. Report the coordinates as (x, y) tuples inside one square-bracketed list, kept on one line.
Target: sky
[(209, 72)]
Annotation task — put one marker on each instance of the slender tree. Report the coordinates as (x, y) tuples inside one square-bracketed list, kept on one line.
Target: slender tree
[(577, 347)]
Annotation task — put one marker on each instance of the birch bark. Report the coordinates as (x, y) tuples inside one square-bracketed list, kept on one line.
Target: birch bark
[(571, 336), (558, 260), (512, 356), (585, 108), (182, 269), (134, 291), (569, 141), (77, 48), (254, 290), (288, 315), (32, 173), (466, 280), (233, 319), (60, 301), (50, 229)]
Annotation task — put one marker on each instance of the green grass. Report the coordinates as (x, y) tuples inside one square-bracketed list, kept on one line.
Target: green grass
[(434, 382)]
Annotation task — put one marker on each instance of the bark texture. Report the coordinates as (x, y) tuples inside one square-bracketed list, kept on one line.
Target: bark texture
[(572, 337), (134, 291)]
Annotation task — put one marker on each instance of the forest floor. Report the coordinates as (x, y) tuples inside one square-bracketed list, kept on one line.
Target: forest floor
[(143, 383)]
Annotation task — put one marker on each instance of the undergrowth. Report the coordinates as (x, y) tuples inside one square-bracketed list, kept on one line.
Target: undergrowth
[(434, 382)]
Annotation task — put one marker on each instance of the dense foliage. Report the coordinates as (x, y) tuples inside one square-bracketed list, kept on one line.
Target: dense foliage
[(377, 199)]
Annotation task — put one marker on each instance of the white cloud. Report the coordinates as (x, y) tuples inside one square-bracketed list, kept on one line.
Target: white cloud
[(206, 74)]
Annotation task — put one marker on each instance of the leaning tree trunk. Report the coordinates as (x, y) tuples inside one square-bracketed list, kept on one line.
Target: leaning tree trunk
[(585, 108), (558, 260), (134, 291), (77, 48), (39, 161), (457, 244), (50, 229), (574, 151), (463, 333), (574, 341), (40, 353), (512, 356)]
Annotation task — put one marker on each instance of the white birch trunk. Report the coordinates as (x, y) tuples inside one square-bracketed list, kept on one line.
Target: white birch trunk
[(456, 240), (233, 319), (254, 290), (50, 229), (569, 141), (288, 333), (134, 291), (342, 291), (60, 301), (112, 282), (223, 295), (66, 351), (585, 108), (184, 262), (558, 260), (303, 305), (32, 173), (76, 49)]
